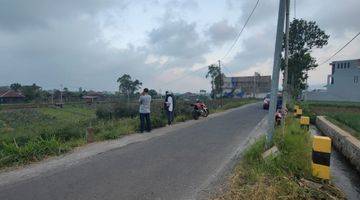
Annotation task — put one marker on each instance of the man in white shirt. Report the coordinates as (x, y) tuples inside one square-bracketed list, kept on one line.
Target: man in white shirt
[(144, 109), (169, 107)]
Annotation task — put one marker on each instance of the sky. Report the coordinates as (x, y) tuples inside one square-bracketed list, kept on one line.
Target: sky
[(166, 44)]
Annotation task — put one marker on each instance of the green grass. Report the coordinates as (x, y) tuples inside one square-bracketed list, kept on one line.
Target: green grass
[(29, 135), (347, 121), (278, 177), (344, 114)]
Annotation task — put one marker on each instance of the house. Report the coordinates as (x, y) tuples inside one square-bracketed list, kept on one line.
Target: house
[(11, 96), (343, 84), (202, 92), (247, 86), (92, 96)]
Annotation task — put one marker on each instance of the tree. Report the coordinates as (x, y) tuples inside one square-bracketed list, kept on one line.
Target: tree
[(15, 86), (303, 37), (128, 86), (31, 92), (153, 93), (217, 78)]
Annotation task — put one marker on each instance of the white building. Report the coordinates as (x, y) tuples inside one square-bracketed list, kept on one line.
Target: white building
[(343, 84)]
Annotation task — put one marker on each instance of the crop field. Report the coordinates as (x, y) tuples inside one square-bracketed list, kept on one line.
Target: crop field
[(344, 114)]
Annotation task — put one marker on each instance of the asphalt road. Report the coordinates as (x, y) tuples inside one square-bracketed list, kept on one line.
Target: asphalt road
[(171, 166)]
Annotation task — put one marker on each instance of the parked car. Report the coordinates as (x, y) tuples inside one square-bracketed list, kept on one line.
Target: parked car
[(266, 103)]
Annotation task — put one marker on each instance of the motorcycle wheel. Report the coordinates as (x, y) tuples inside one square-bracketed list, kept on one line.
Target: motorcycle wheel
[(195, 115), (206, 113)]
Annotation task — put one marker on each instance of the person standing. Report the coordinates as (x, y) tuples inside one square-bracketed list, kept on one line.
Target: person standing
[(169, 107), (145, 101)]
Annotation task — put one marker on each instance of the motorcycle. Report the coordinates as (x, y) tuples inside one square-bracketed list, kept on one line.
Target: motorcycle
[(199, 109)]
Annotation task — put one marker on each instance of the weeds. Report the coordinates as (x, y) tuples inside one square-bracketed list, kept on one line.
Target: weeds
[(278, 177)]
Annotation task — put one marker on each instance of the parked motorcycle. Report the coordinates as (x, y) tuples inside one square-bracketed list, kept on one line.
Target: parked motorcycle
[(200, 110)]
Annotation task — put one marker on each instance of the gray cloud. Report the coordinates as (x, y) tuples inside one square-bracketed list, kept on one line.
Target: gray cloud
[(22, 15), (61, 42), (178, 40), (221, 32)]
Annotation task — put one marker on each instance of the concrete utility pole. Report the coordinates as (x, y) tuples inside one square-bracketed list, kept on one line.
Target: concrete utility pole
[(254, 85), (286, 96), (275, 73), (221, 85)]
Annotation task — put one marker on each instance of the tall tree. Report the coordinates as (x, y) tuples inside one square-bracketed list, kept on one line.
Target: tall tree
[(31, 92), (128, 86), (15, 86), (153, 93), (304, 36), (214, 72)]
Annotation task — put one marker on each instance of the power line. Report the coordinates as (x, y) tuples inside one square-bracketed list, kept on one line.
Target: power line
[(227, 53), (340, 49), (242, 29), (295, 9), (186, 75)]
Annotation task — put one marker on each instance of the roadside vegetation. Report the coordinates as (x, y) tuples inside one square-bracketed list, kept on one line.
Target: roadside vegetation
[(285, 176), (344, 114), (30, 135)]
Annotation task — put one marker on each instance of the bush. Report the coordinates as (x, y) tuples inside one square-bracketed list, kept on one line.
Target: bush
[(34, 150), (104, 112), (125, 110), (157, 122), (116, 111)]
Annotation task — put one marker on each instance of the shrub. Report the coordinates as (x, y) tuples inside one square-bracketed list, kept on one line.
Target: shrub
[(34, 150), (157, 121), (124, 110), (104, 112)]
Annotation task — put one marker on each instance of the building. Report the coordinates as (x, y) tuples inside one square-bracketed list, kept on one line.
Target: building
[(92, 96), (11, 96), (247, 86), (343, 84)]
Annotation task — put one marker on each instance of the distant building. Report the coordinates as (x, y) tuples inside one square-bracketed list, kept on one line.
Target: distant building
[(343, 84), (203, 92), (247, 86), (11, 96), (92, 96)]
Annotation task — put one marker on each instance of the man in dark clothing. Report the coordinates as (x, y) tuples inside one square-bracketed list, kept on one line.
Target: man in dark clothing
[(169, 107)]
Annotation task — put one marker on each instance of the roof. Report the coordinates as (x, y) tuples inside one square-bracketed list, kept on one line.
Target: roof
[(93, 93), (90, 97), (250, 79), (11, 94)]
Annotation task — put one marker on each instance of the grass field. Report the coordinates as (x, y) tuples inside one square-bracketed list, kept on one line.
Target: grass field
[(280, 177), (344, 114), (28, 135)]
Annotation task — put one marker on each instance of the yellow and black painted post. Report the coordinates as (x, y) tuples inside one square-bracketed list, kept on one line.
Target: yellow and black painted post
[(305, 122), (321, 152)]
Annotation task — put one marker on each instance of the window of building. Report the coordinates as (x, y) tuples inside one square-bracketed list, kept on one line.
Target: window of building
[(356, 79), (338, 65), (348, 65)]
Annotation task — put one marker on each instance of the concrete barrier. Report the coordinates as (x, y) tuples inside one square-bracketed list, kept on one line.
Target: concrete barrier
[(347, 144)]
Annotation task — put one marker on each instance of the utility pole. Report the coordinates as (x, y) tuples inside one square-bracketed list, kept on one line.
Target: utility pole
[(61, 99), (286, 70), (221, 85), (254, 88), (275, 73)]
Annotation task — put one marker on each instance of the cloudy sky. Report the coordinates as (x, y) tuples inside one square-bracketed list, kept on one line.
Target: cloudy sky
[(164, 44)]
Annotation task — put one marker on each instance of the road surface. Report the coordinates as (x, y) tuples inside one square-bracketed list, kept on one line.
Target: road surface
[(172, 166)]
